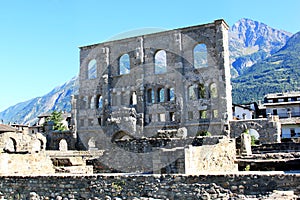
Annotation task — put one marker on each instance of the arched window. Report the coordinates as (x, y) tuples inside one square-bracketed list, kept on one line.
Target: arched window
[(124, 64), (92, 69), (213, 90), (99, 102), (160, 61), (192, 92), (201, 91), (133, 98), (150, 96), (200, 56), (161, 95), (170, 94)]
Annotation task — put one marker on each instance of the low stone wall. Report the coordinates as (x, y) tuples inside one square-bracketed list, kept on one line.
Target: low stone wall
[(115, 186), (25, 164)]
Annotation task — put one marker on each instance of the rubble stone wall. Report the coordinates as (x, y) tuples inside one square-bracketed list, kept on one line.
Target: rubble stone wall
[(149, 186), (26, 164), (268, 129)]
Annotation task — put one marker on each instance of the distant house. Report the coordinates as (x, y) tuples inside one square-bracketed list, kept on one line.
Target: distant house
[(287, 107), (245, 111)]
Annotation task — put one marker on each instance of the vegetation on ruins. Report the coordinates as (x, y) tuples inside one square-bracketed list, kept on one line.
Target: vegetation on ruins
[(56, 118)]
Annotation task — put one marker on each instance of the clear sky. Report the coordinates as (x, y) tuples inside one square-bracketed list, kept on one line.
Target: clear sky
[(39, 39)]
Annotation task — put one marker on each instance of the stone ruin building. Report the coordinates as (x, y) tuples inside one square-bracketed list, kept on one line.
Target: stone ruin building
[(171, 84)]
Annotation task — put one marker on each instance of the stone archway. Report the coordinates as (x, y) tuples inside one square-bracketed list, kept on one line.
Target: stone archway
[(63, 145), (10, 145), (92, 144), (121, 135), (37, 145)]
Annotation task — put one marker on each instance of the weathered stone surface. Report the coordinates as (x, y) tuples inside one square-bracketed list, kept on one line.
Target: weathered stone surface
[(238, 186)]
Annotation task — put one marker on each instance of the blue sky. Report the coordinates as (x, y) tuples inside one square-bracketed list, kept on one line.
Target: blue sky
[(39, 39)]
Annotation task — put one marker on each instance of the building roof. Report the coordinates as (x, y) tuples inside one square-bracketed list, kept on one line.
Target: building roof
[(289, 121), (6, 128), (283, 95)]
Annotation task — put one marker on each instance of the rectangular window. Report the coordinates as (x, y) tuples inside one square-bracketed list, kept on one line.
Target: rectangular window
[(172, 116), (280, 100), (161, 117), (215, 114), (190, 115), (275, 112), (202, 114), (270, 100)]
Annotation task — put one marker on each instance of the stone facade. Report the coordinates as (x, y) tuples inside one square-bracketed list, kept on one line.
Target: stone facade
[(219, 186), (160, 89)]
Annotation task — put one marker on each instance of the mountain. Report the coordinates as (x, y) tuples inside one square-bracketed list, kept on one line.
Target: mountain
[(250, 42), (277, 73), (26, 112)]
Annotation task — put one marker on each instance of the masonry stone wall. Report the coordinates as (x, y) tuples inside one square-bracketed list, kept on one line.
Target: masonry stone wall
[(223, 186), (141, 102), (25, 164), (268, 129), (55, 137), (22, 143)]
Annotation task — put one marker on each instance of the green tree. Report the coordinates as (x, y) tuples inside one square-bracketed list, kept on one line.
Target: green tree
[(56, 118)]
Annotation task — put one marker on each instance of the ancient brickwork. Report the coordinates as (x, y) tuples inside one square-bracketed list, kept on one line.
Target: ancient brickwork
[(162, 85), (222, 186)]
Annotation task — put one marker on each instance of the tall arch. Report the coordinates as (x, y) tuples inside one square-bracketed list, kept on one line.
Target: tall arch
[(213, 90), (160, 62), (200, 56), (92, 69), (10, 145), (124, 64), (161, 95)]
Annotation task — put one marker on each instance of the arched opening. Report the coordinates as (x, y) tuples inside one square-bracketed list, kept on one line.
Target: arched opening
[(170, 94), (124, 64), (213, 90), (10, 145), (192, 92), (120, 135), (200, 56), (150, 96), (254, 136), (160, 62), (63, 145), (99, 102), (133, 98), (160, 95), (37, 145), (201, 91), (92, 144), (92, 69)]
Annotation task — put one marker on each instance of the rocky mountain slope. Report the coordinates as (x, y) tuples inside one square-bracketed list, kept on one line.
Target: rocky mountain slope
[(277, 73), (57, 99), (250, 42)]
